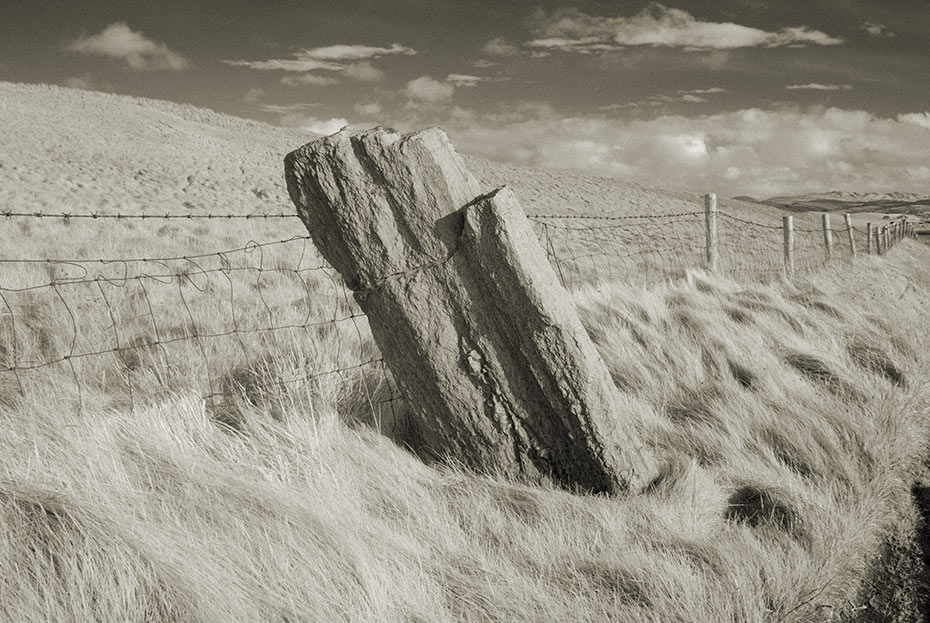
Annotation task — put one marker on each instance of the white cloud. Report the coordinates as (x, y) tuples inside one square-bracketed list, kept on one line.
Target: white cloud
[(572, 30), (364, 72), (752, 151), (286, 109), (310, 123), (816, 86), (693, 96), (429, 91), (329, 58), (464, 80), (369, 110), (877, 30), (356, 52), (917, 118), (297, 64), (308, 80), (254, 95), (119, 41), (499, 47)]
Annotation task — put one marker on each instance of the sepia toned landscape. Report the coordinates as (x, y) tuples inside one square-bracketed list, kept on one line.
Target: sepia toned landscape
[(624, 319), (173, 449)]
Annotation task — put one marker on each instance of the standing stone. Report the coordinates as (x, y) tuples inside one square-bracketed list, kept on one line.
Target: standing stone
[(481, 338)]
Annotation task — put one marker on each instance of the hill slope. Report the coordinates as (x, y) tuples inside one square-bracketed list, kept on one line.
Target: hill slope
[(72, 150)]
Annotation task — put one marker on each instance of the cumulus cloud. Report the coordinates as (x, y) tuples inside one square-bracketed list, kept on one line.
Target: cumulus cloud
[(877, 30), (464, 80), (499, 47), (368, 110), (308, 80), (917, 118), (311, 123), (572, 30), (364, 72), (427, 90), (753, 151), (816, 86), (139, 52)]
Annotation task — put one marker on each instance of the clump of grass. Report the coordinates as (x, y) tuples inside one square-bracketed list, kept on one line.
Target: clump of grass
[(874, 359), (819, 372), (760, 507)]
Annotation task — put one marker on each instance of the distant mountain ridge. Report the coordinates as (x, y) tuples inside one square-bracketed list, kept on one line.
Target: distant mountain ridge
[(851, 202)]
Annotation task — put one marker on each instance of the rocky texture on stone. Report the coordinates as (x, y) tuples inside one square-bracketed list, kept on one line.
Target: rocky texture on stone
[(484, 343)]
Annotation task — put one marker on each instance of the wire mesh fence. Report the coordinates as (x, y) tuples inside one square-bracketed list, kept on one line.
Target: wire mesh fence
[(267, 323), (246, 326)]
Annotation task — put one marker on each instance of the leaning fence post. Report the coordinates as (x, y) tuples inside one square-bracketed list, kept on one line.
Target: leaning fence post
[(710, 222), (485, 345), (827, 236), (869, 234), (884, 239), (849, 232), (788, 227)]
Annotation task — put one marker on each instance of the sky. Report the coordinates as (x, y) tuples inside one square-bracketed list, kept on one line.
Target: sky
[(738, 97)]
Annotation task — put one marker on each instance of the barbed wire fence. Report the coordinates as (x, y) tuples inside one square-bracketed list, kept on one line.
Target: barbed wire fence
[(268, 323)]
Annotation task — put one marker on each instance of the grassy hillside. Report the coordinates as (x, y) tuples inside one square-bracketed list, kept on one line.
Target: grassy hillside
[(790, 419)]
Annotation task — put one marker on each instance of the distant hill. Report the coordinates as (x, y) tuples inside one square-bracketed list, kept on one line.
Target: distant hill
[(851, 202), (68, 150)]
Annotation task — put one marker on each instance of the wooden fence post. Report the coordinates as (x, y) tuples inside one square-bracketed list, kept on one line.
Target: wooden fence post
[(483, 342), (788, 228), (869, 234), (884, 239), (710, 228), (849, 232), (827, 236)]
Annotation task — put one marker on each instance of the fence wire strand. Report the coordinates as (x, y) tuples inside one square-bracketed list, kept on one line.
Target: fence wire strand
[(256, 324)]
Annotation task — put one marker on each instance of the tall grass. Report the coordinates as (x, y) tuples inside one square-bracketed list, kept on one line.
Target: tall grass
[(791, 420)]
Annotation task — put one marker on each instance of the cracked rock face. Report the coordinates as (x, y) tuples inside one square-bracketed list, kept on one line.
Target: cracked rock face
[(483, 341)]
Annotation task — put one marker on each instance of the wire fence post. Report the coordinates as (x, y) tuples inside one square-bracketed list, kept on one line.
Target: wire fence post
[(869, 234), (849, 232), (788, 228), (710, 220), (827, 236)]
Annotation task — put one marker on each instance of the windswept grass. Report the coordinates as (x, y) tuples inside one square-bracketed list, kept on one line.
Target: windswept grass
[(181, 477), (789, 433)]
